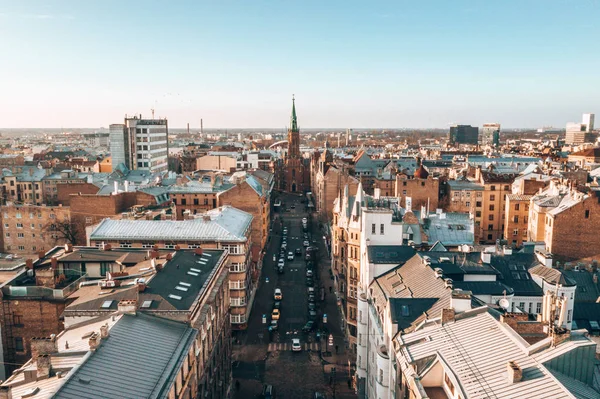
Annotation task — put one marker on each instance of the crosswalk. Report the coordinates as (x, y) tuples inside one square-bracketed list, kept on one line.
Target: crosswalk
[(274, 347)]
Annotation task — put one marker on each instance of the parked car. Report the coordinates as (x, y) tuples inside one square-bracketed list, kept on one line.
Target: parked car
[(275, 314), (296, 347), (293, 206), (280, 269), (312, 315), (311, 290), (311, 298), (274, 326), (306, 243), (312, 306), (277, 305), (281, 263), (310, 282), (319, 395), (290, 255), (284, 245), (309, 273), (308, 256), (308, 327), (304, 220), (278, 296), (298, 251)]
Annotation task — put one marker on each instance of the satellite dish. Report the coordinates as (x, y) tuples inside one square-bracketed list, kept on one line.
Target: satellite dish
[(504, 303)]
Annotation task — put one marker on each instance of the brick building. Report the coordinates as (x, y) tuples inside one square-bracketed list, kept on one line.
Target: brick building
[(198, 196), (517, 219), (295, 170), (421, 188), (28, 229), (222, 228), (23, 184), (495, 188), (64, 191)]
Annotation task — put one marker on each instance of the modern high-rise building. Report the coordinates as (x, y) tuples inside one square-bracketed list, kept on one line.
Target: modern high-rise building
[(490, 134), (140, 144), (464, 134), (579, 133)]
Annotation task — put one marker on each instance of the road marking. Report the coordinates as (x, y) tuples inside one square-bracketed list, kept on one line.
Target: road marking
[(279, 347)]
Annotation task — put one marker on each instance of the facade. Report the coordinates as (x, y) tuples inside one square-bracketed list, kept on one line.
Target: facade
[(222, 228), (490, 134), (585, 157), (418, 190), (28, 229), (120, 148), (495, 188), (23, 185), (220, 163), (196, 197), (463, 134), (517, 219), (296, 169)]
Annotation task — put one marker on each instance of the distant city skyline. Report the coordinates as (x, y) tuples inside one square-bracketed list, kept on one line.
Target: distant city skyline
[(392, 64)]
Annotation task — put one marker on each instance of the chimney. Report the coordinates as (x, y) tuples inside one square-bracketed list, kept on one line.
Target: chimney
[(94, 341), (104, 331), (116, 189), (154, 254), (68, 248), (198, 251), (44, 346), (448, 315), (460, 300), (127, 306), (6, 392), (377, 194), (43, 366), (515, 374), (486, 257), (106, 247), (126, 186), (41, 254), (29, 263), (54, 262), (169, 255)]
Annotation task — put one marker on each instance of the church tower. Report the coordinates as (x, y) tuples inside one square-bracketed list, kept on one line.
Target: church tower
[(293, 134)]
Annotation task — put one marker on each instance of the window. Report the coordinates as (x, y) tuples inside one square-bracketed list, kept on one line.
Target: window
[(490, 227), (170, 246), (403, 192), (505, 188), (515, 232), (237, 267), (587, 213), (492, 197), (422, 184), (19, 344), (493, 188), (7, 234), (569, 316), (381, 229), (195, 201), (530, 307), (538, 308), (468, 204), (516, 207), (88, 220), (20, 235), (478, 214), (52, 216), (33, 225), (516, 219), (491, 207), (373, 228), (491, 217), (522, 305), (525, 219), (183, 201), (19, 225), (404, 183), (18, 215), (21, 247), (125, 245)]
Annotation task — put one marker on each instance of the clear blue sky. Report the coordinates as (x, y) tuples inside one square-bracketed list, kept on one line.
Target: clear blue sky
[(419, 63)]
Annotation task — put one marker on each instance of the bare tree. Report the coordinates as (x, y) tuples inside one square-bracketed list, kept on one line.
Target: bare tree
[(62, 231)]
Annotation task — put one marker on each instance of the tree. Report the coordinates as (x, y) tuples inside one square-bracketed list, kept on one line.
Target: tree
[(63, 231)]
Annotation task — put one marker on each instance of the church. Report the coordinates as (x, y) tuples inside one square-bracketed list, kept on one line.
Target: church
[(294, 170)]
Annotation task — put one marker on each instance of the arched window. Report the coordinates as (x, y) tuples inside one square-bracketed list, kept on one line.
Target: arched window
[(293, 172)]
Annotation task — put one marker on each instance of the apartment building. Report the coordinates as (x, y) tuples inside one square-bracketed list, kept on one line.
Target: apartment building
[(221, 228), (422, 189), (23, 184), (516, 225), (28, 229), (495, 188), (134, 303)]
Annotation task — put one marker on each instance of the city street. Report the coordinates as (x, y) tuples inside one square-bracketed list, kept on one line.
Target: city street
[(263, 357)]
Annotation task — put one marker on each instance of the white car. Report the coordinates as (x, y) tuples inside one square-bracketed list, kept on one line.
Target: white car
[(290, 256), (296, 347), (281, 263), (306, 243), (304, 220), (278, 296)]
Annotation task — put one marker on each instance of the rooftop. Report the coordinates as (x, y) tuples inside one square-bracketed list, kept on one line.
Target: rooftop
[(225, 224)]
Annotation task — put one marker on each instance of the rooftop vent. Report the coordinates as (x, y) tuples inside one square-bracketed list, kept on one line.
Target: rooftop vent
[(515, 373), (438, 272)]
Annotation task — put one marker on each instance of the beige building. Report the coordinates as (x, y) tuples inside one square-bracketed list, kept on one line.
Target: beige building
[(493, 217), (223, 163), (28, 229), (221, 228)]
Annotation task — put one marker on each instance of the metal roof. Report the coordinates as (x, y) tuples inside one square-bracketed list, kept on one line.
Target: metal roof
[(140, 359), (477, 349), (226, 224)]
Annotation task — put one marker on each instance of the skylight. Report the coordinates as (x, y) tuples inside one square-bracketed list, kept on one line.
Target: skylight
[(106, 304), (193, 274), (195, 270), (180, 288), (146, 304), (175, 297), (185, 284)]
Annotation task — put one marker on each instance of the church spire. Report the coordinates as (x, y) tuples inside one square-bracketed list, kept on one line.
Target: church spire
[(294, 120)]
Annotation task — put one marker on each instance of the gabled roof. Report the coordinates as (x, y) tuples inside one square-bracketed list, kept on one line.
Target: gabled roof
[(404, 311), (389, 254), (552, 276)]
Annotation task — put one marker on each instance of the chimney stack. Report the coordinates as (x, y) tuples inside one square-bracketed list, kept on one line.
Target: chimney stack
[(104, 331), (44, 346), (6, 392), (448, 315), (54, 262), (94, 341), (29, 263), (68, 248), (106, 247), (460, 300), (43, 366), (127, 306), (41, 254), (515, 374)]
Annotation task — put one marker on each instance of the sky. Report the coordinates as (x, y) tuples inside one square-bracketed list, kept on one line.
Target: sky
[(358, 64)]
